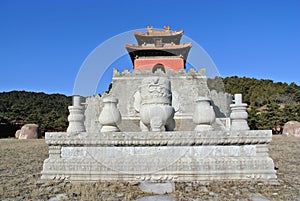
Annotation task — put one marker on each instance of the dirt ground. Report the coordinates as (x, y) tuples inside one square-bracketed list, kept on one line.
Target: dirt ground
[(21, 162)]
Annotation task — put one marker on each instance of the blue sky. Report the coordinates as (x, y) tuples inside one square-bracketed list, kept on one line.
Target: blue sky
[(44, 43)]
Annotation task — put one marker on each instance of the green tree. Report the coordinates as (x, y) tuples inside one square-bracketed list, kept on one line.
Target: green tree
[(49, 111)]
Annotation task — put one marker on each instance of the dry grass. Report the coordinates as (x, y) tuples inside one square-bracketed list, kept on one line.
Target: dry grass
[(22, 160)]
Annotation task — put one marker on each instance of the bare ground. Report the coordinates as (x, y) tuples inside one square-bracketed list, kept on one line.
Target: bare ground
[(21, 162)]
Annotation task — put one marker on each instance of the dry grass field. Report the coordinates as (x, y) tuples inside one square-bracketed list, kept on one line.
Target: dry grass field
[(21, 162)]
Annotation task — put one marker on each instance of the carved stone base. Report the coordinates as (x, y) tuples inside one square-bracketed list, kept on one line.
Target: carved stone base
[(239, 125), (160, 156), (203, 127), (110, 129)]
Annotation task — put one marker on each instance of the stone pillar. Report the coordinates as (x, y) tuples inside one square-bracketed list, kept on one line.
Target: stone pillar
[(76, 116), (204, 114), (239, 114), (110, 116)]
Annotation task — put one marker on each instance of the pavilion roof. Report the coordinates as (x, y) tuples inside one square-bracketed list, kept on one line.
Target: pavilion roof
[(165, 32), (164, 47)]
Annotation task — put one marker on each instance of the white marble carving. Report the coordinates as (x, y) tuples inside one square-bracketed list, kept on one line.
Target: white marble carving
[(93, 107), (156, 111), (110, 116), (99, 147), (160, 156), (204, 114), (76, 116), (239, 114)]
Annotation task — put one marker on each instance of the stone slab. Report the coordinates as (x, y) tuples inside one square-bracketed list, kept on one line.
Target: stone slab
[(171, 153), (157, 188), (156, 198), (175, 138), (258, 198)]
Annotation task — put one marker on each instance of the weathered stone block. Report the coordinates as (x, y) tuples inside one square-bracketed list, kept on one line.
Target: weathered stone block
[(157, 188), (156, 198)]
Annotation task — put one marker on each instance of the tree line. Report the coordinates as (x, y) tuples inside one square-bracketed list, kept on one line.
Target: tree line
[(270, 103), (50, 112)]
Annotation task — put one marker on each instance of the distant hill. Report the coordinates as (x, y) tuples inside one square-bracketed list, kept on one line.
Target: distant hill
[(270, 104), (49, 111), (261, 92)]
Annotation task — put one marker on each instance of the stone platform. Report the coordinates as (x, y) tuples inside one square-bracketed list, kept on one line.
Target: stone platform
[(160, 156)]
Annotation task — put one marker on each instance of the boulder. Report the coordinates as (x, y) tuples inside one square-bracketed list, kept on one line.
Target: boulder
[(17, 134), (292, 128), (28, 131)]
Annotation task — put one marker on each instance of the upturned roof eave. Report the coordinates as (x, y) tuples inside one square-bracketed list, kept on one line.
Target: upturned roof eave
[(162, 33), (171, 47)]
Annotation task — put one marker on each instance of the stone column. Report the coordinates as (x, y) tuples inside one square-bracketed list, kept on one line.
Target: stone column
[(76, 116), (204, 114), (239, 114), (110, 116)]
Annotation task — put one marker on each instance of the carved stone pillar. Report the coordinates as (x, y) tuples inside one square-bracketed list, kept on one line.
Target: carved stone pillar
[(76, 116), (204, 114), (239, 114), (110, 116)]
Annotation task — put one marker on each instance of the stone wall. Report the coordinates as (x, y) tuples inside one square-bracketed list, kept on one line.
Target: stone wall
[(185, 86)]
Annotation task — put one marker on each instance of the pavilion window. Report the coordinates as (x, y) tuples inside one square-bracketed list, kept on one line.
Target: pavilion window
[(158, 42)]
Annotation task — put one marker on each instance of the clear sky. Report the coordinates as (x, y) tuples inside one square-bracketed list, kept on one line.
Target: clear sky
[(44, 43)]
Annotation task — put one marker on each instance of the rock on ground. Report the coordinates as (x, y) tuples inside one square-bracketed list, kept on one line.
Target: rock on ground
[(59, 197), (28, 131), (17, 134), (258, 198), (156, 198), (157, 188), (291, 128)]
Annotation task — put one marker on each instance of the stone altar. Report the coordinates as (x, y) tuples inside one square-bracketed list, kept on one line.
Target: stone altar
[(220, 152), (157, 156), (159, 124)]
